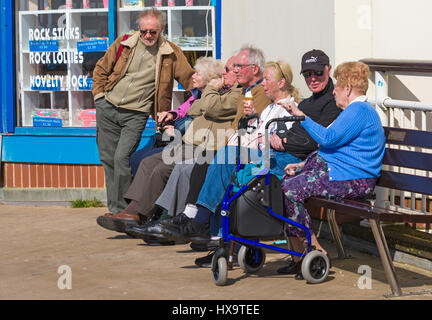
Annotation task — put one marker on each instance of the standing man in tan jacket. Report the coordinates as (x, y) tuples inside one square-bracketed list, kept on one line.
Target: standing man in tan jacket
[(133, 80)]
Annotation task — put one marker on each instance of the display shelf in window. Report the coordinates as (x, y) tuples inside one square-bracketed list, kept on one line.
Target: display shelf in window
[(191, 28), (59, 43)]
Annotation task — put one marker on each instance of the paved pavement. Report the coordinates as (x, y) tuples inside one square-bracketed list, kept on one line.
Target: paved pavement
[(40, 246)]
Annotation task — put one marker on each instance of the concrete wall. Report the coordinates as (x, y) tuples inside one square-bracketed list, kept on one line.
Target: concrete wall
[(404, 33), (402, 29), (344, 29), (387, 29)]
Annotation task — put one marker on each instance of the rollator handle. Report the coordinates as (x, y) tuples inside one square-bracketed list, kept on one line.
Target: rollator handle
[(267, 139), (285, 119), (244, 121)]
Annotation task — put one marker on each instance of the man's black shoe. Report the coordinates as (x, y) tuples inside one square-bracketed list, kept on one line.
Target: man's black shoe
[(143, 231), (191, 231), (175, 221), (158, 240), (292, 268), (135, 230), (151, 233)]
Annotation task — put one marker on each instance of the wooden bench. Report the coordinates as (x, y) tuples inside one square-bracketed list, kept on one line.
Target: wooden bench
[(403, 149)]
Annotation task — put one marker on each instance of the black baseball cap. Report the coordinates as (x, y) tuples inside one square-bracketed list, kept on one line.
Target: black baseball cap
[(314, 60)]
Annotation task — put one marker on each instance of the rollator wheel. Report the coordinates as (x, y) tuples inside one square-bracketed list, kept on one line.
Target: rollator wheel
[(315, 267), (219, 269), (251, 259)]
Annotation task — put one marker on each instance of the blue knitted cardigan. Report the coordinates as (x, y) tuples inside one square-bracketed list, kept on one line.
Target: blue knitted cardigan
[(353, 145)]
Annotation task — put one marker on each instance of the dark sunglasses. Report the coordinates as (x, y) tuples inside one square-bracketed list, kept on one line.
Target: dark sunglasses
[(308, 74), (144, 32)]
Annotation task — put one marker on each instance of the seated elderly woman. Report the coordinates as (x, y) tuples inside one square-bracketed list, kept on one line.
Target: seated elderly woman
[(347, 163), (180, 118), (212, 111)]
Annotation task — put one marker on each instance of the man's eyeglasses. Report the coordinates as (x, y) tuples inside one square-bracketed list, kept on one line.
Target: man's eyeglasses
[(308, 74), (241, 66), (152, 32)]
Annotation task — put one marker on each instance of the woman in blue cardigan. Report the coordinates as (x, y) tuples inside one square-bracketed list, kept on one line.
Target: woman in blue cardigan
[(348, 161)]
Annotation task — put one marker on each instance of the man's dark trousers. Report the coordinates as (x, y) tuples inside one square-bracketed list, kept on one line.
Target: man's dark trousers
[(118, 133)]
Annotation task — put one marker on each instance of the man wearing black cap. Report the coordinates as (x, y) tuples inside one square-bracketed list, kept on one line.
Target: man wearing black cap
[(321, 106)]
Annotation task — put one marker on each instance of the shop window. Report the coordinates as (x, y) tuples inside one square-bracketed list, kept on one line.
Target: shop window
[(60, 41), (59, 45)]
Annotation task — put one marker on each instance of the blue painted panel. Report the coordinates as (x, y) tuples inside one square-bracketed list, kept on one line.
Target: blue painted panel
[(57, 145), (7, 56), (218, 4), (112, 21), (50, 149), (76, 132)]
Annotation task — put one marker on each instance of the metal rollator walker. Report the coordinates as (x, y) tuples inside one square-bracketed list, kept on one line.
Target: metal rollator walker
[(256, 213)]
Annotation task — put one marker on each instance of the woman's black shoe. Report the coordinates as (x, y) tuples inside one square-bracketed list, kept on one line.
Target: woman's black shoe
[(292, 268)]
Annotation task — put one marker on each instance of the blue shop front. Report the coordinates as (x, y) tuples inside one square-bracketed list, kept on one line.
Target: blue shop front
[(49, 49)]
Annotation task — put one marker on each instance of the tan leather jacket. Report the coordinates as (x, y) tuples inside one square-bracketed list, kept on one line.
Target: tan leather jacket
[(170, 64), (219, 112)]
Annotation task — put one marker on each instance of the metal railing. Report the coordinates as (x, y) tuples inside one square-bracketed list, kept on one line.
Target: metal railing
[(402, 114)]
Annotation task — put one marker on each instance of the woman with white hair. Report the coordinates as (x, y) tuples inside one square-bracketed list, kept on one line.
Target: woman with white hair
[(347, 163)]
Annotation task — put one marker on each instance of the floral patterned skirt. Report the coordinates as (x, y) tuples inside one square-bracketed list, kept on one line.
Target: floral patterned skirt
[(313, 181)]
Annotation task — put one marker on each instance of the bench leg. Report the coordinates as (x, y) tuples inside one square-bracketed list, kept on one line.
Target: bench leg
[(385, 256), (334, 229)]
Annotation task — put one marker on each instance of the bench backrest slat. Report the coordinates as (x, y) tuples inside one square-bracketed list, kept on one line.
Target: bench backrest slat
[(405, 182), (409, 137), (408, 159), (398, 139)]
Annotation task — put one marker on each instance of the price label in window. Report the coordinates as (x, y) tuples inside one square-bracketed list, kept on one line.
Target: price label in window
[(44, 46), (92, 45), (47, 122)]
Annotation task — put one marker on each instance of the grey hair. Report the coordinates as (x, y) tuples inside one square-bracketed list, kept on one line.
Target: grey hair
[(256, 56), (158, 14), (209, 68)]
